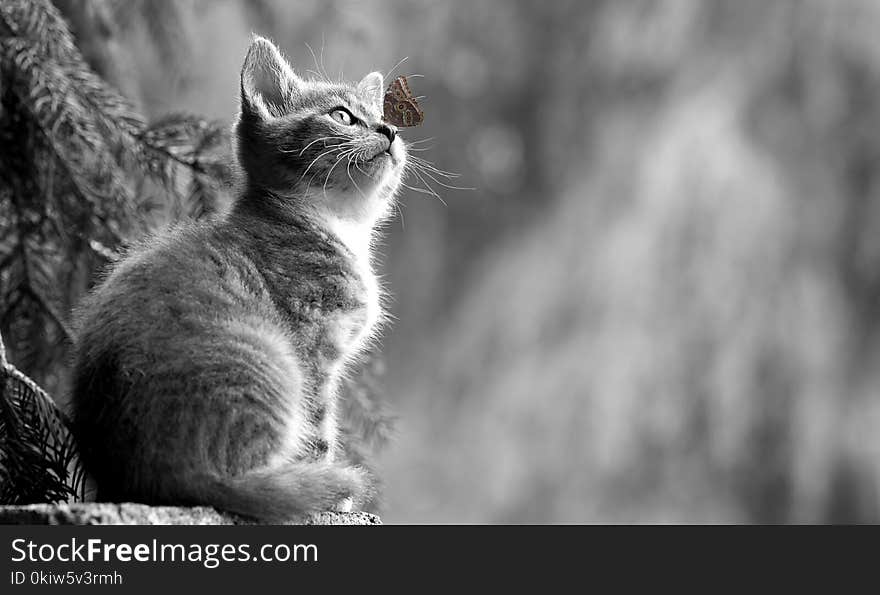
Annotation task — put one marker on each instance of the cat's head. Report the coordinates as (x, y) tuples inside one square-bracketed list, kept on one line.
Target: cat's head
[(315, 145)]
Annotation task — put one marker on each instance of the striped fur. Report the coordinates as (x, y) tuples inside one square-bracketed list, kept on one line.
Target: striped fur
[(206, 363)]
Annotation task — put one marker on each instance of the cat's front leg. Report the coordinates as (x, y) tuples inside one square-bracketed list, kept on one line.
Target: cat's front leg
[(345, 505)]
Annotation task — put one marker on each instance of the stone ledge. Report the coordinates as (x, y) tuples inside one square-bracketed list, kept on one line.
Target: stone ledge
[(141, 514)]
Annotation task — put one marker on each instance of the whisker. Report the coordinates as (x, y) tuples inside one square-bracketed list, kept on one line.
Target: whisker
[(324, 138), (323, 68), (417, 142), (396, 66), (428, 188), (338, 147), (360, 170), (311, 51), (445, 185), (338, 160), (424, 191), (310, 144), (348, 171), (309, 184), (398, 205), (319, 74), (433, 169), (417, 189)]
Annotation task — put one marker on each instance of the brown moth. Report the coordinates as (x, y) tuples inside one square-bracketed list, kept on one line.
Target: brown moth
[(401, 107)]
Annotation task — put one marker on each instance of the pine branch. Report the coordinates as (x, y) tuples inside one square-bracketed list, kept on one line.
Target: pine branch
[(36, 26), (72, 153), (189, 140), (202, 199), (105, 114), (38, 461), (70, 131), (193, 142), (40, 24), (51, 312)]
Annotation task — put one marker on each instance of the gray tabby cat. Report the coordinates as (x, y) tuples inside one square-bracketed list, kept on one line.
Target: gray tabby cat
[(207, 362)]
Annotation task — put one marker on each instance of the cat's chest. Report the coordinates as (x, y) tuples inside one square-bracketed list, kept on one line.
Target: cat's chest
[(324, 286), (356, 329), (348, 320), (330, 310), (370, 311)]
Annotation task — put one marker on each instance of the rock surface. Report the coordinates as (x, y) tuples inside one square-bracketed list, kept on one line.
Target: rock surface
[(141, 514)]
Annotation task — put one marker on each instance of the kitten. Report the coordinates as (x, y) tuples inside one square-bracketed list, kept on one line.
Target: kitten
[(207, 362)]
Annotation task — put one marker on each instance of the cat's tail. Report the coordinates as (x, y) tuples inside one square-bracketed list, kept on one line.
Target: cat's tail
[(285, 492)]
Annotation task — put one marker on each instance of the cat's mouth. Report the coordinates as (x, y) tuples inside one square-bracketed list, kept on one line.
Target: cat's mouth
[(379, 157), (381, 160), (391, 152)]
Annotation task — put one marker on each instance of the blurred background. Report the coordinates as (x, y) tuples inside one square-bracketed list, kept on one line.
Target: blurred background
[(661, 301)]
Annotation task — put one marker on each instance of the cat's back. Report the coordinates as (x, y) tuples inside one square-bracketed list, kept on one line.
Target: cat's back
[(178, 279), (186, 300), (180, 341)]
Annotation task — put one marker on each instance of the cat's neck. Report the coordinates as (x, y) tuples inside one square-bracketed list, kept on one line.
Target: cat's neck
[(355, 236)]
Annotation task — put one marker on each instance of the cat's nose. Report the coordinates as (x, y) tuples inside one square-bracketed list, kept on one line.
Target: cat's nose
[(389, 131)]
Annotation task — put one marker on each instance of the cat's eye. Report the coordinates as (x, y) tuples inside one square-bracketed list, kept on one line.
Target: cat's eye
[(343, 116)]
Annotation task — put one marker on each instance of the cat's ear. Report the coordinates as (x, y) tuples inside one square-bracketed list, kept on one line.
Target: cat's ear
[(268, 83), (372, 87)]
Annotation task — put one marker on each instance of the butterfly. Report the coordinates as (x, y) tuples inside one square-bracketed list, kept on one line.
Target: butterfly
[(401, 108)]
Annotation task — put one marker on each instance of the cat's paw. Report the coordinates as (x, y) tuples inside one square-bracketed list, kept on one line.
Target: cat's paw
[(360, 489), (345, 505)]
